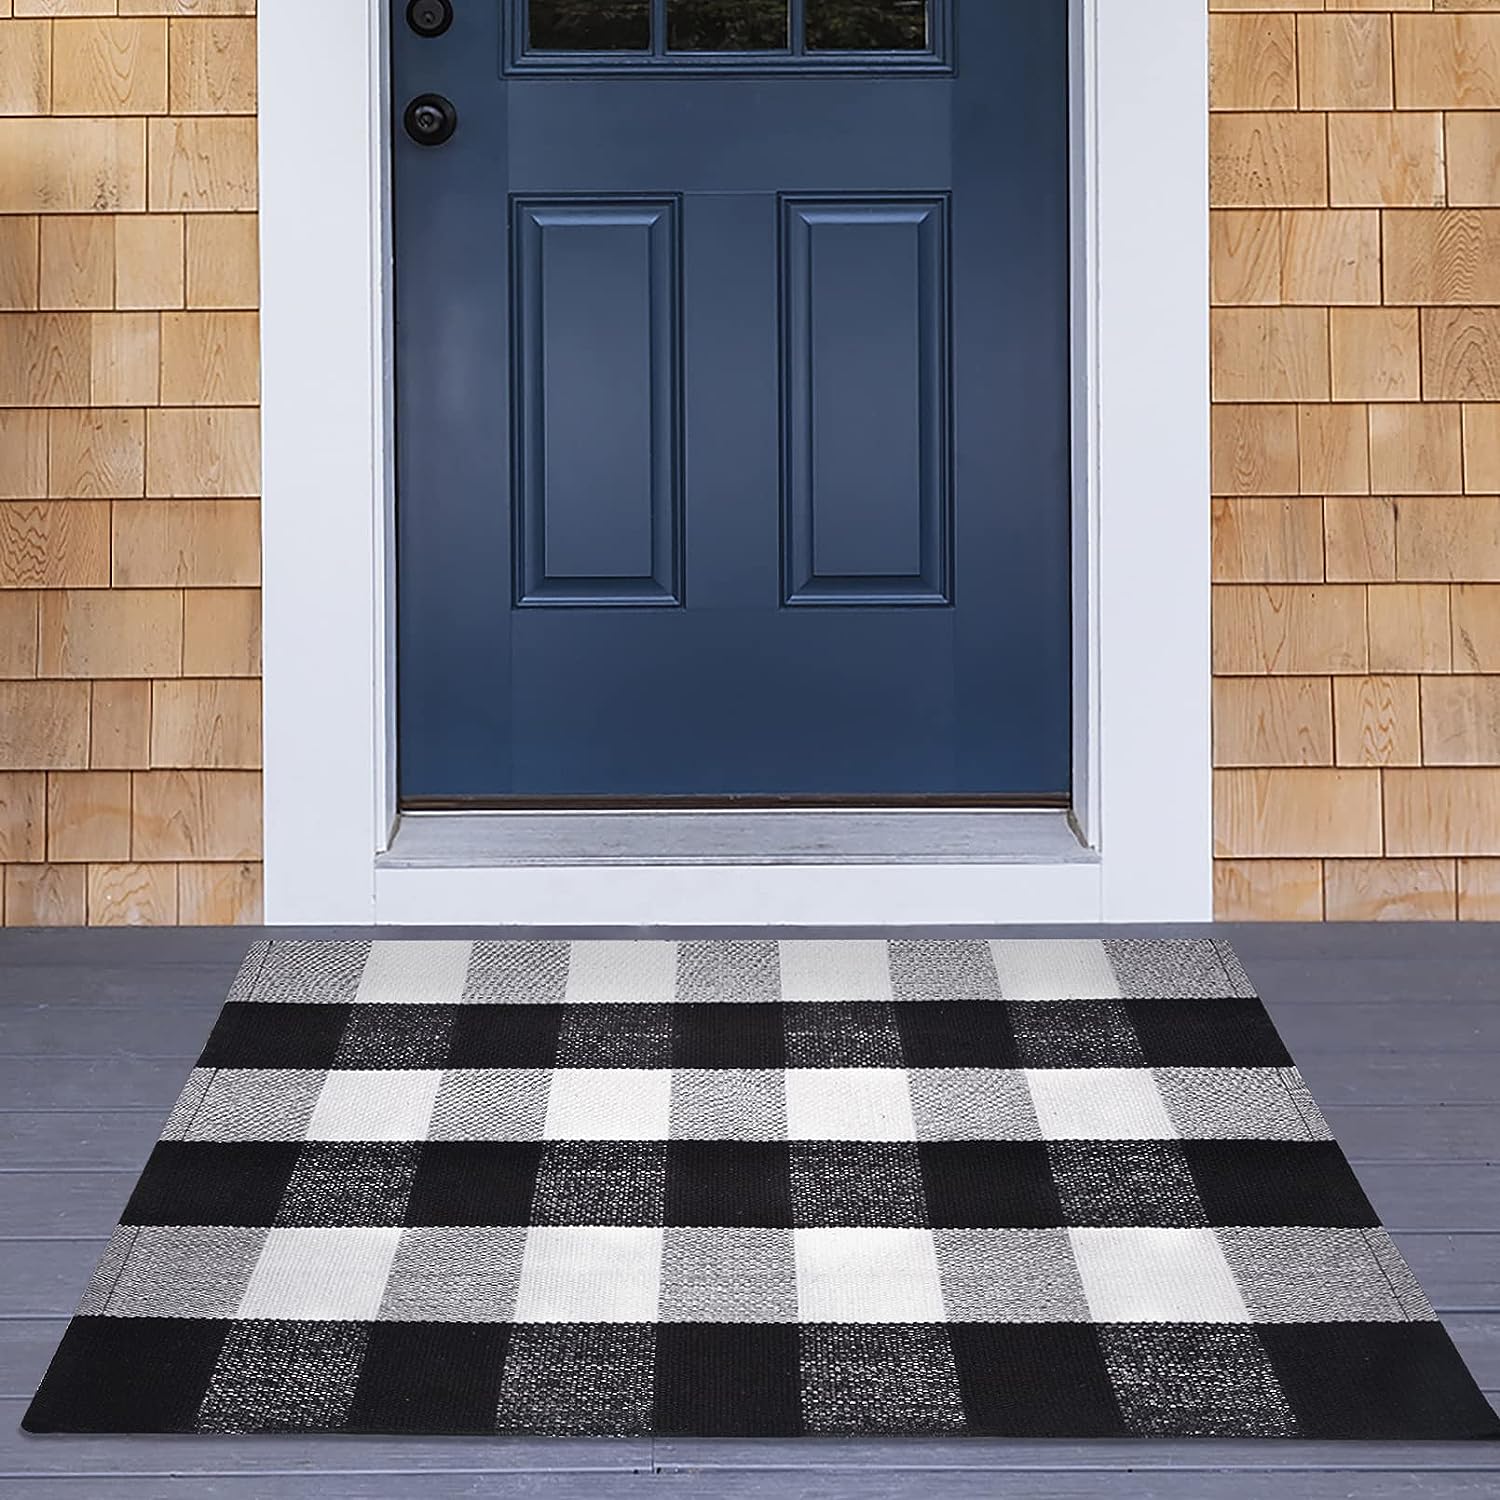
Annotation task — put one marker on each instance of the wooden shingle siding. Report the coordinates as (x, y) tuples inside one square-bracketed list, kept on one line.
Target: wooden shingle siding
[(1355, 277), (129, 463)]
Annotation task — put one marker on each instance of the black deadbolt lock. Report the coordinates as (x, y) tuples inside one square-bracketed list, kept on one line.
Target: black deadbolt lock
[(430, 119), (429, 17)]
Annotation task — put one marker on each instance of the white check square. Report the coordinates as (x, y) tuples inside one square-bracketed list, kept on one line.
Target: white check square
[(590, 1274), (622, 972), (835, 970), (1054, 969), (321, 1274), (409, 972), (1141, 1275), (1099, 1104), (609, 1104), (849, 1104), (374, 1105), (867, 1276)]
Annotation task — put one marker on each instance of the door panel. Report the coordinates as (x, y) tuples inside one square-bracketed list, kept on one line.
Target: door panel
[(865, 293), (733, 412), (595, 386)]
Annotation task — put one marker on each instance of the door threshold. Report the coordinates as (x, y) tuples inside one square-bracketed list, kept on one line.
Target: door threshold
[(717, 837)]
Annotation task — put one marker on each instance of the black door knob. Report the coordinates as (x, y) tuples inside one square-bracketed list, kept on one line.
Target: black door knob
[(429, 17), (430, 119)]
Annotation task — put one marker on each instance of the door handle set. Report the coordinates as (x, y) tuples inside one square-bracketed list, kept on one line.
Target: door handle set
[(430, 119)]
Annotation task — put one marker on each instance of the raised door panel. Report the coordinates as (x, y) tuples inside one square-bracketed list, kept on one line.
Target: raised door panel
[(596, 387), (868, 492)]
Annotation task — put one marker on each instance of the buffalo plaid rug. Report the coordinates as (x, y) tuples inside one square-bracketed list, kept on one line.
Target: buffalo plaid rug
[(1053, 1188)]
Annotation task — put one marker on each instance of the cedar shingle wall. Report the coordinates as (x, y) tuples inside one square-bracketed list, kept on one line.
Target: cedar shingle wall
[(1355, 178), (129, 462)]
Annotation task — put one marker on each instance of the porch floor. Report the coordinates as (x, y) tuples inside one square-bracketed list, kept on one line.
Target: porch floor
[(1397, 1029)]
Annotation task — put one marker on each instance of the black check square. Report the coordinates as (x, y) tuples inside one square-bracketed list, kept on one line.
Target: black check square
[(95, 1382), (287, 1035), (505, 1036), (989, 1185), (418, 1375), (957, 1034), (729, 1184), (213, 1182), (727, 1379), (1035, 1380), (1277, 1182), (1228, 1033), (474, 1182), (733, 1034)]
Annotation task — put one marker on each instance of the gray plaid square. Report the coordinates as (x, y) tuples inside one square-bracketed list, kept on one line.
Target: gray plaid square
[(1168, 969), (873, 1379), (1194, 1380), (307, 971), (255, 1104), (729, 1104), (284, 1377), (467, 1275), (97, 1293), (1081, 1034), (242, 987), (854, 1183), (972, 1104), (1399, 1277), (1123, 1183), (349, 1183), (1308, 1275), (728, 971), (186, 1271), (1270, 1104), (523, 973), (728, 1276), (1009, 1276), (564, 1379), (187, 1103), (927, 969), (491, 1104)]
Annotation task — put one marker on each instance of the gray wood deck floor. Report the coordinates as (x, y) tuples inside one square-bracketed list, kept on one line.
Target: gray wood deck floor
[(1396, 1028)]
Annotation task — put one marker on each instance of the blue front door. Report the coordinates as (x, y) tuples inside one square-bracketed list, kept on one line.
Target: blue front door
[(732, 393)]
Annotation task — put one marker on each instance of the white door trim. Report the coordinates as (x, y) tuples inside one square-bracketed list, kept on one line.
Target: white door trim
[(1143, 791)]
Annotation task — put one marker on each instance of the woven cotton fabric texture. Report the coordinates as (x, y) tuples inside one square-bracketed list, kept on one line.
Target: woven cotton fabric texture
[(1013, 1188)]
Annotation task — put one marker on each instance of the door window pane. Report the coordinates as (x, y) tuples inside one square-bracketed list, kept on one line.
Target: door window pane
[(590, 25), (727, 25), (867, 25)]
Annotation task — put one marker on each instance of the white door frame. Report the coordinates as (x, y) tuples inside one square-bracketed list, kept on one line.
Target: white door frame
[(1141, 423)]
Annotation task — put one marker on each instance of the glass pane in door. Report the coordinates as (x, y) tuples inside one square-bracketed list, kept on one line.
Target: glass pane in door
[(727, 25), (867, 25), (590, 25)]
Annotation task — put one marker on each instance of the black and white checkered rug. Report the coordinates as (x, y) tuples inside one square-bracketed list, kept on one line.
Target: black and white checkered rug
[(1050, 1188)]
